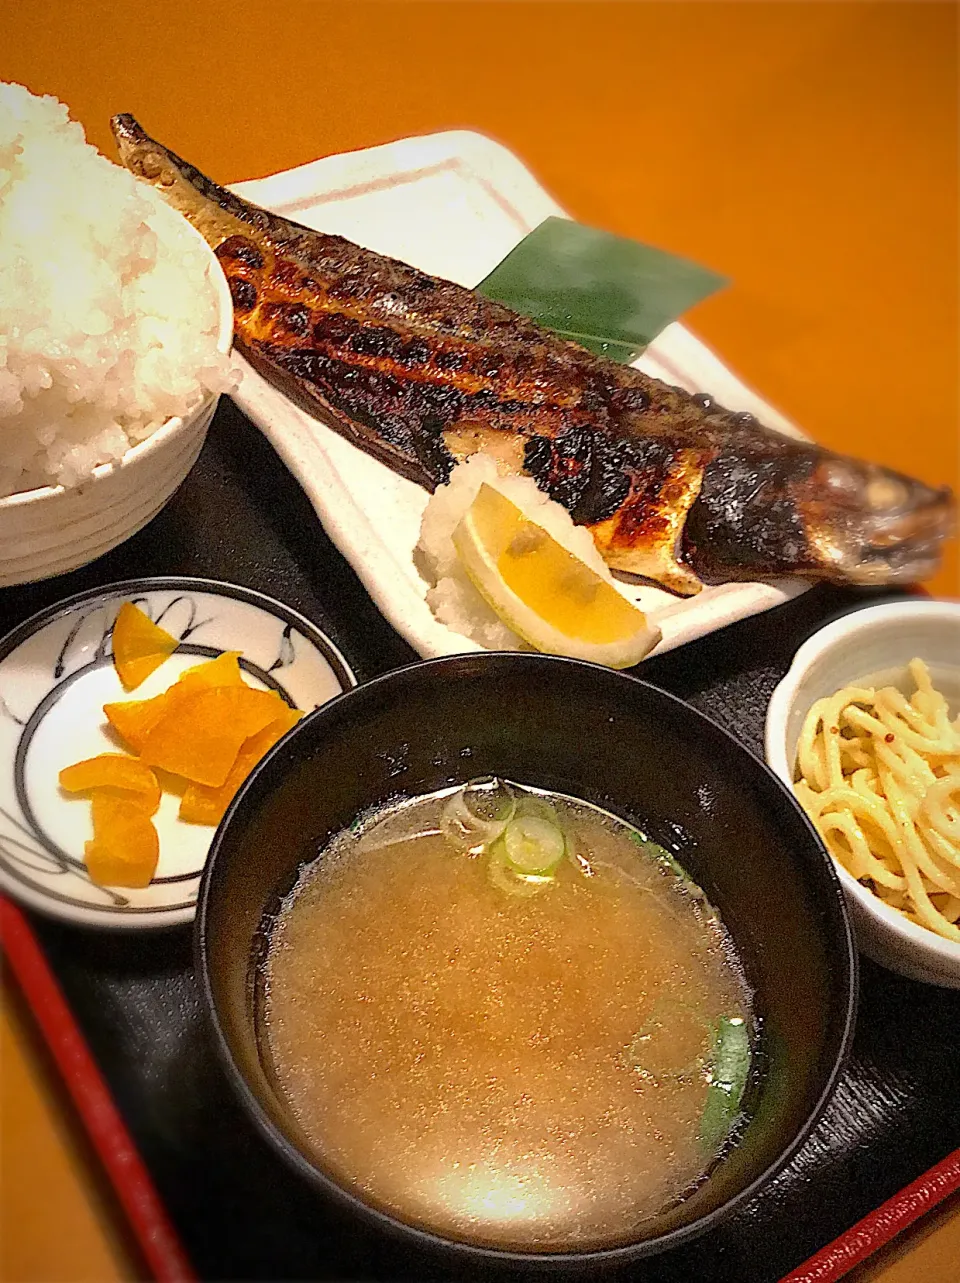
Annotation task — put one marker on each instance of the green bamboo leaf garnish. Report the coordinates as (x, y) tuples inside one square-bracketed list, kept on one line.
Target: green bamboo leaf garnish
[(605, 292)]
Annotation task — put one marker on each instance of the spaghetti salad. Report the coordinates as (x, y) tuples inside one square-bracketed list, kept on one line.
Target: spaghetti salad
[(879, 775)]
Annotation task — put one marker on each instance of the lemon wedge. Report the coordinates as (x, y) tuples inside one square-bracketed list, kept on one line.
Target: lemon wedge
[(546, 594)]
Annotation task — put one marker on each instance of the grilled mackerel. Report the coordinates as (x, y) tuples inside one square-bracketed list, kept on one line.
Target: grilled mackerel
[(421, 373)]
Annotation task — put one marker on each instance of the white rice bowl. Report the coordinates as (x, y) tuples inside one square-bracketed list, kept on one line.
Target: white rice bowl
[(109, 318), (452, 597)]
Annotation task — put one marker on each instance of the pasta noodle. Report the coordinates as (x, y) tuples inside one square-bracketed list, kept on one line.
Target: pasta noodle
[(879, 776)]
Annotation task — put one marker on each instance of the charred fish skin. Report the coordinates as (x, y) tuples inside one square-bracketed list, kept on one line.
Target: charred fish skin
[(421, 372)]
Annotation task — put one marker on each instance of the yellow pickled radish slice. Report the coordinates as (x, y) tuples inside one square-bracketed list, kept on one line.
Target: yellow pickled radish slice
[(125, 847), (134, 719), (546, 594), (202, 804), (222, 671), (139, 645), (114, 771)]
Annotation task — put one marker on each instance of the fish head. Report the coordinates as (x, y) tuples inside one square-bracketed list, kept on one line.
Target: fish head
[(870, 526)]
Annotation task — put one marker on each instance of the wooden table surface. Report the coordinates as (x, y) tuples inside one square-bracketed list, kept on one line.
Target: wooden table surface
[(808, 152)]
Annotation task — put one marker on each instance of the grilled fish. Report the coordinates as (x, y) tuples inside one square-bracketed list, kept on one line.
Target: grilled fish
[(421, 373)]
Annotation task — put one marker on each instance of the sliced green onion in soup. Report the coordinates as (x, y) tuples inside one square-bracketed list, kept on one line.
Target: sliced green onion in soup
[(534, 804), (478, 813), (728, 1078), (506, 878), (534, 845), (520, 831)]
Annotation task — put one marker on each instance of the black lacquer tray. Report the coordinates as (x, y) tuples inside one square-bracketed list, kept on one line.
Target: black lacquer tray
[(240, 1214)]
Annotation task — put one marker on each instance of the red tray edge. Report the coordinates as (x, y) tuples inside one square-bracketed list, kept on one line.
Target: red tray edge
[(146, 1213), (125, 1168)]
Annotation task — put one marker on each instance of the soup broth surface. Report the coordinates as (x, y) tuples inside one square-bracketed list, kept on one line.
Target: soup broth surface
[(503, 1065)]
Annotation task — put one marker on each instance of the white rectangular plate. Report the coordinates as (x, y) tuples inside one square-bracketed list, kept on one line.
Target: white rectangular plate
[(454, 205)]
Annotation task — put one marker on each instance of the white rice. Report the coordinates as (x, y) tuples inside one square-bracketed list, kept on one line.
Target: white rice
[(454, 600), (108, 316)]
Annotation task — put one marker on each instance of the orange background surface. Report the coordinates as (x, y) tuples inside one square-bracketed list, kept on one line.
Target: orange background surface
[(806, 151)]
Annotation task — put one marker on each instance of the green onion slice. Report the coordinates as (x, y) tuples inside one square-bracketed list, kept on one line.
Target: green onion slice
[(506, 878), (534, 804), (478, 813), (728, 1078), (534, 845)]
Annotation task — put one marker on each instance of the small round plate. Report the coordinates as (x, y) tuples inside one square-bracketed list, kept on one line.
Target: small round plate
[(56, 673)]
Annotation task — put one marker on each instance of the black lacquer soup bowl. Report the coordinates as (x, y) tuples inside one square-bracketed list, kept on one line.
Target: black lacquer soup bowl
[(590, 733)]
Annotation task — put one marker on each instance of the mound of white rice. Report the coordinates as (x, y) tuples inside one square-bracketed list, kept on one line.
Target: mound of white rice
[(452, 597), (108, 317)]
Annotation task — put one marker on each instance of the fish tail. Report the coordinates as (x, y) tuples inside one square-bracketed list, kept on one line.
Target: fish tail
[(216, 212)]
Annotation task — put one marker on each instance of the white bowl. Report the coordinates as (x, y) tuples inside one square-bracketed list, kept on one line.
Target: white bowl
[(53, 529), (874, 640)]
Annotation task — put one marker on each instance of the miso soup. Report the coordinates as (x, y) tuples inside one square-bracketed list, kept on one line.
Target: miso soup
[(506, 1017)]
